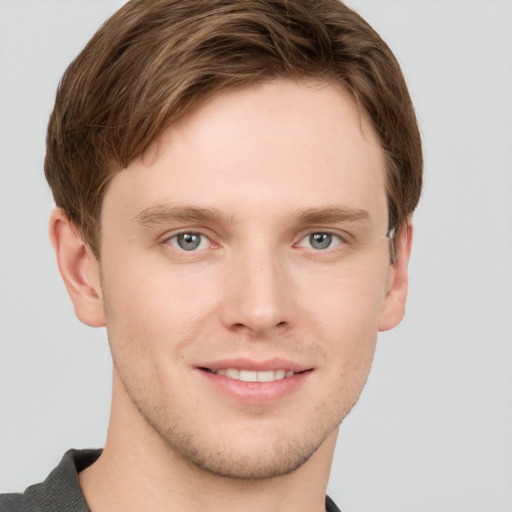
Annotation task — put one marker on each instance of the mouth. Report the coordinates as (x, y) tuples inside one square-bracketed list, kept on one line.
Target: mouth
[(256, 382), (245, 375)]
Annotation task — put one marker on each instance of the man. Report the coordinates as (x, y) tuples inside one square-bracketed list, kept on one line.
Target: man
[(234, 184)]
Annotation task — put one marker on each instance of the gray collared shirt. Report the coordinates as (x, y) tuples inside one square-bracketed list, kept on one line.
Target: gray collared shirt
[(61, 491)]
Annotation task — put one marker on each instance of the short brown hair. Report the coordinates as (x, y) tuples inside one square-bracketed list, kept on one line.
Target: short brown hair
[(155, 60)]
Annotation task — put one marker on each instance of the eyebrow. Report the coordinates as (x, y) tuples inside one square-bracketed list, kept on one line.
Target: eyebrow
[(331, 215), (164, 214)]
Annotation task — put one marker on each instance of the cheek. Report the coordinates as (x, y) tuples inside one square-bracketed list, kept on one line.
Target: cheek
[(348, 303), (344, 314), (156, 303)]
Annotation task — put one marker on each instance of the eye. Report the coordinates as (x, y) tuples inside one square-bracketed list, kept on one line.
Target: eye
[(189, 241), (320, 241)]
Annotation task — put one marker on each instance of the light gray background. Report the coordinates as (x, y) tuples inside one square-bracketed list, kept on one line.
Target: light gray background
[(433, 429)]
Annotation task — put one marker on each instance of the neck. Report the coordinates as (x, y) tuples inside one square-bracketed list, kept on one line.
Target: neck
[(139, 471)]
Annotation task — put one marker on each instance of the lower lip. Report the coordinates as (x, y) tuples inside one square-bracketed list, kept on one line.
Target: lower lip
[(256, 392)]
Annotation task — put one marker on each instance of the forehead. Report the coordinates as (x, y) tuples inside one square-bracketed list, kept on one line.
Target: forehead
[(282, 144)]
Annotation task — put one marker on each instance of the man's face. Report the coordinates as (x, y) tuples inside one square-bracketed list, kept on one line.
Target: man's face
[(244, 276)]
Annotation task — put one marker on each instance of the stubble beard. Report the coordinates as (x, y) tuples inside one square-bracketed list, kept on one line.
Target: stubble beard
[(216, 454), (219, 457), (284, 456)]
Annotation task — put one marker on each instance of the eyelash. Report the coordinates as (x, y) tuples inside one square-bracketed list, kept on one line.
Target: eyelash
[(174, 240), (332, 236)]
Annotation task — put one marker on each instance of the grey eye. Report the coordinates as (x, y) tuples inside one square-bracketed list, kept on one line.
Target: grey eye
[(189, 241), (320, 240)]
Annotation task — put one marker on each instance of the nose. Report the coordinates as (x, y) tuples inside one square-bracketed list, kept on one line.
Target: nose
[(259, 296)]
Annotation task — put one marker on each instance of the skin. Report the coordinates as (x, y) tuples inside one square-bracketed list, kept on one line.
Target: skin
[(253, 173)]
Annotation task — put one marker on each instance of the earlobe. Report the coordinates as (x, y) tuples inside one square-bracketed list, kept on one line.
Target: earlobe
[(79, 269), (393, 309)]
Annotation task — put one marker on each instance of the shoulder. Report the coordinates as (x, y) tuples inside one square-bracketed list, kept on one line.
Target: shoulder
[(60, 491), (13, 503), (330, 506)]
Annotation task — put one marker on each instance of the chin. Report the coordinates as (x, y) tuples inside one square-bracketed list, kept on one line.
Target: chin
[(247, 451), (253, 461)]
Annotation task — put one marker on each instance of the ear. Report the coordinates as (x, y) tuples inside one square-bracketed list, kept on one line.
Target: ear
[(79, 269), (393, 309)]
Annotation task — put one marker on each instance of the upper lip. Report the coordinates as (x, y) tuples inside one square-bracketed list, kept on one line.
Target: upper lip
[(258, 366)]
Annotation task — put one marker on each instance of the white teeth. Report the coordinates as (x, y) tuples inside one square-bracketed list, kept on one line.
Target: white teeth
[(254, 376), (280, 374), (248, 376), (268, 376), (232, 373)]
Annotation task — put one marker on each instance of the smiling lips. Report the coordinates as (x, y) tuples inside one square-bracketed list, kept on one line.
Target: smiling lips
[(251, 382), (253, 376)]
